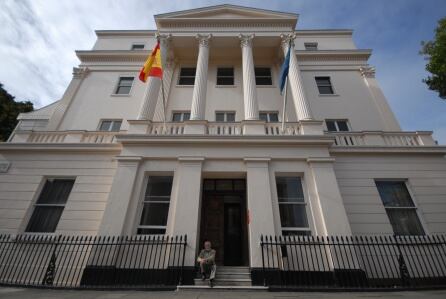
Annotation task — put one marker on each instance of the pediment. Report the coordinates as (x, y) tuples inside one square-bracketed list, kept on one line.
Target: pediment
[(223, 13)]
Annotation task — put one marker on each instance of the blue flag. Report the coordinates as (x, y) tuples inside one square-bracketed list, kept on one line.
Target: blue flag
[(284, 70)]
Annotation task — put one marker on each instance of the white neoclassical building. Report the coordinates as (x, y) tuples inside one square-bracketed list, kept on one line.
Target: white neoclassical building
[(210, 159)]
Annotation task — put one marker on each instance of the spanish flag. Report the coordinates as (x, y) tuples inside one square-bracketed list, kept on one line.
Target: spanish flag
[(152, 67)]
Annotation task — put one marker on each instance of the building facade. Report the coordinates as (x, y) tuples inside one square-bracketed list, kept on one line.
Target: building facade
[(203, 152)]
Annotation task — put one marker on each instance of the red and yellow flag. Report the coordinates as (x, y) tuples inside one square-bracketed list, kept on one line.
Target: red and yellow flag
[(152, 67)]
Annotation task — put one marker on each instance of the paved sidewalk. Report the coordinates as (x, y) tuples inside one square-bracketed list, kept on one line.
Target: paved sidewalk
[(24, 293)]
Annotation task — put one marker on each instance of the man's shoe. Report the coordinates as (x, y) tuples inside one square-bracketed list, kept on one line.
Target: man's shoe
[(203, 276), (211, 283)]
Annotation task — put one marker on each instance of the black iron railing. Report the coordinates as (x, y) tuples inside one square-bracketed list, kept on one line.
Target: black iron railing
[(87, 261), (358, 262)]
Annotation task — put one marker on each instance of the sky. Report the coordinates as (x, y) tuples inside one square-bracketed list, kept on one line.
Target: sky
[(38, 39)]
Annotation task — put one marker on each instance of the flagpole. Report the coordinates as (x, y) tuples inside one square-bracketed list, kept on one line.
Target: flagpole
[(162, 85), (284, 104)]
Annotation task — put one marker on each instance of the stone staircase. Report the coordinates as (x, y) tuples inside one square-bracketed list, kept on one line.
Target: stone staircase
[(229, 276), (226, 278)]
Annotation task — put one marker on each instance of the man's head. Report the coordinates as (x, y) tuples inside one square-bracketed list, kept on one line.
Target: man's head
[(207, 244)]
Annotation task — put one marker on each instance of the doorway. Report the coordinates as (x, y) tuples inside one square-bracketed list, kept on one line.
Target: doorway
[(224, 221)]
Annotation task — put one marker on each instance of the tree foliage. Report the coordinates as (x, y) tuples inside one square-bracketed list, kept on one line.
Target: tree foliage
[(9, 110), (435, 53)]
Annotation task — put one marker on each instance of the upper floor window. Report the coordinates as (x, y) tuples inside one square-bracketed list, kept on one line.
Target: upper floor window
[(180, 116), (225, 76), (310, 46), (156, 204), (137, 46), (110, 125), (187, 76), (269, 117), (50, 205), (263, 76), (225, 116), (324, 85), (337, 125), (292, 206), (400, 208), (124, 85)]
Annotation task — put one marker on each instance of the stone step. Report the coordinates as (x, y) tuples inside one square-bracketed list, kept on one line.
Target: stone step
[(220, 288), (226, 269), (227, 275), (224, 282)]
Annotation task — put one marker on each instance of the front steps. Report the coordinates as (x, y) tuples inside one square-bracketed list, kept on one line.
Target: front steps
[(227, 278)]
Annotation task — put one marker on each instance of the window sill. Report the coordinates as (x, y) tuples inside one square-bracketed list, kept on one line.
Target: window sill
[(329, 95), (120, 95), (266, 86), (183, 86), (225, 86)]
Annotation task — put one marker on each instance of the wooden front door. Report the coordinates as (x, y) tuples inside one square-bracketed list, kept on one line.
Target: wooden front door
[(223, 220)]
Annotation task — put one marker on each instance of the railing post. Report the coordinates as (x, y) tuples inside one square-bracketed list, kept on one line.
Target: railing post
[(404, 273), (263, 261), (51, 269), (182, 262)]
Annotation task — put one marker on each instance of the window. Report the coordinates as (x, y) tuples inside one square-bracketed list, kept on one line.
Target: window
[(137, 46), (337, 125), (187, 76), (155, 205), (180, 116), (292, 206), (110, 125), (225, 116), (124, 85), (269, 117), (225, 76), (310, 46), (400, 208), (263, 76), (49, 206), (324, 85)]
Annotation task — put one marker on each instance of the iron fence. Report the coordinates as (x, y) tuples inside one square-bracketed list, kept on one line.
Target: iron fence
[(92, 261), (354, 262)]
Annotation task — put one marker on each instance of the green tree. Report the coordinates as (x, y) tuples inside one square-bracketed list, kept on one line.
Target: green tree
[(435, 53), (9, 110)]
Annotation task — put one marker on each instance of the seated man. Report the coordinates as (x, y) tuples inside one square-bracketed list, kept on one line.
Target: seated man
[(206, 258)]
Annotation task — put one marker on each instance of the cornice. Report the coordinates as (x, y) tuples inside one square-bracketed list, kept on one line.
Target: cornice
[(302, 55), (389, 149), (60, 147)]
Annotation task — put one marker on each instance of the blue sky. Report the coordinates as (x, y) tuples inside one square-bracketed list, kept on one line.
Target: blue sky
[(38, 39)]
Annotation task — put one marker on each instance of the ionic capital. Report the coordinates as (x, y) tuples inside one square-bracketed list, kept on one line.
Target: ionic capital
[(246, 40)]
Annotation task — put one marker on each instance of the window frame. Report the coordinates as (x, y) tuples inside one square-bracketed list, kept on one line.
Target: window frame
[(334, 93), (112, 120), (225, 116), (268, 116), (179, 75), (117, 85), (336, 120), (271, 73), (137, 44), (182, 115), (309, 229), (143, 201), (233, 76), (308, 45), (36, 196), (412, 197)]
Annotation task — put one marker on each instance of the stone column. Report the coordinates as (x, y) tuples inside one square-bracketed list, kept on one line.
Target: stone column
[(389, 120), (201, 78), (331, 217), (260, 207), (153, 85), (249, 80), (295, 81), (118, 201), (186, 198), (79, 74)]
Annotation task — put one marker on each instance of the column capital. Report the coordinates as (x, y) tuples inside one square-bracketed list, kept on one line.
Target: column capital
[(203, 39), (367, 71), (80, 72), (246, 40), (287, 39)]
